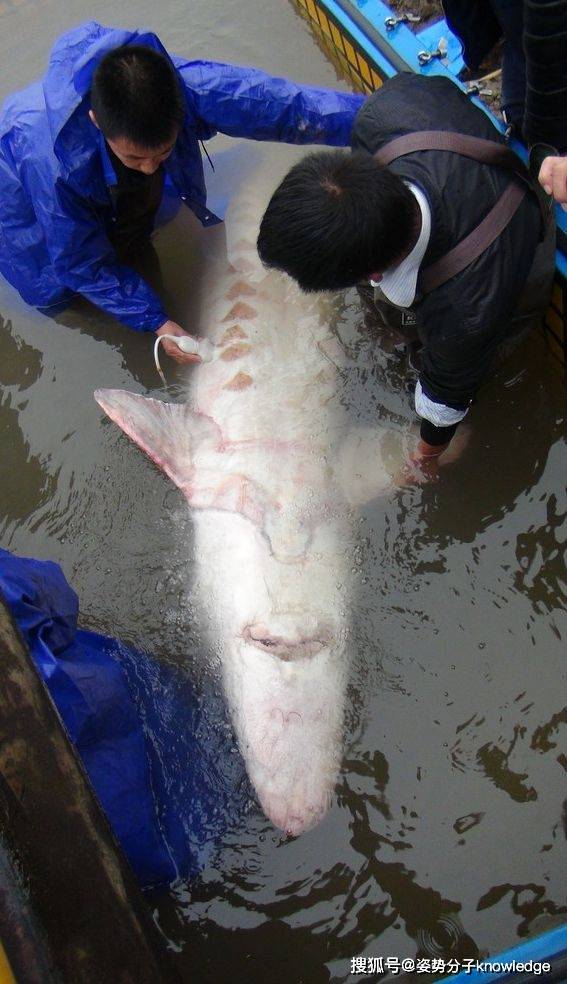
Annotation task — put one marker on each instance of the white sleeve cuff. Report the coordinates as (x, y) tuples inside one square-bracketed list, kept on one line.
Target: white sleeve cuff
[(436, 413)]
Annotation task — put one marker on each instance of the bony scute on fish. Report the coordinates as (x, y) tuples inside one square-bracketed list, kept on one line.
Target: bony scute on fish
[(272, 473)]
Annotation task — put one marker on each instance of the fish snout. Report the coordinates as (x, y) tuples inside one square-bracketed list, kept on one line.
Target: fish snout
[(288, 637), (296, 818)]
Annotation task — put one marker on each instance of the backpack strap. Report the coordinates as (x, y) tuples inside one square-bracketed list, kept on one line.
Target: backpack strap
[(477, 241), (495, 221), (477, 148)]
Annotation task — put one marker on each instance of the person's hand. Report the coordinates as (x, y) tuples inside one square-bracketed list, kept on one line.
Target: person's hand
[(553, 179), (425, 462), (172, 328), (422, 464)]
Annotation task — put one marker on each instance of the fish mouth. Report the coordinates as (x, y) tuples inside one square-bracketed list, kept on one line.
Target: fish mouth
[(287, 643), (295, 819)]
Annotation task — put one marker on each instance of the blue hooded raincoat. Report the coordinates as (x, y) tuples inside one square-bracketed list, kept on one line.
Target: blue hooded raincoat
[(55, 173)]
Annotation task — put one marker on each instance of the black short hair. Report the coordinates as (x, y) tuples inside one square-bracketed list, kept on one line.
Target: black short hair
[(136, 94), (335, 218)]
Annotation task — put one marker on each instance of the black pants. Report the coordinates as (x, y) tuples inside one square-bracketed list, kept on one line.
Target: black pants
[(510, 16)]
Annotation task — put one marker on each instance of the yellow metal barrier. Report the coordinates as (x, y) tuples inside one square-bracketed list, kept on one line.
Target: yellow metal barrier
[(6, 975), (345, 54)]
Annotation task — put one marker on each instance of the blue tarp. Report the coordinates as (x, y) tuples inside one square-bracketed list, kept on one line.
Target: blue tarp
[(159, 756)]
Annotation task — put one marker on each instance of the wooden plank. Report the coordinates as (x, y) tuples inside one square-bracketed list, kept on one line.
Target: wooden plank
[(81, 889)]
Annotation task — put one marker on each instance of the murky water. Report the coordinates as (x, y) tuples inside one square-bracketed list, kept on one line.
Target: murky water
[(445, 837)]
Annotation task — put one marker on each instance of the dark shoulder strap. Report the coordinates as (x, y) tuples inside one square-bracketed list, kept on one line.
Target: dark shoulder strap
[(471, 247), (483, 235), (477, 148)]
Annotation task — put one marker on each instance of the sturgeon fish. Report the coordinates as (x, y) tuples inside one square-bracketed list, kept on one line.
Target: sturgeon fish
[(268, 459)]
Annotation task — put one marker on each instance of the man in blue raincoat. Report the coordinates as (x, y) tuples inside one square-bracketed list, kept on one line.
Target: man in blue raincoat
[(86, 150)]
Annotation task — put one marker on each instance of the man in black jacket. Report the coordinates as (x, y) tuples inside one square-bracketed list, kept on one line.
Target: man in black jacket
[(339, 220)]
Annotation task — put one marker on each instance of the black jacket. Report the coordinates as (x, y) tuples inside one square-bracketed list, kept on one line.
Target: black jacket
[(462, 322), (545, 47), (476, 25), (540, 27)]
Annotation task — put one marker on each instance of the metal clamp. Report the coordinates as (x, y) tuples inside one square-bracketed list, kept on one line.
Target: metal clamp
[(476, 88), (425, 57), (392, 22)]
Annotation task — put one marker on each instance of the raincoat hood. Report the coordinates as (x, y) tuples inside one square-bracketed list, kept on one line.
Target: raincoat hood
[(72, 64)]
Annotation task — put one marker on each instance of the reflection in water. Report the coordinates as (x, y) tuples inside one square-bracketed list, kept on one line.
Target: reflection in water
[(24, 479), (446, 834), (19, 500), (20, 363), (528, 901), (494, 762), (542, 736), (425, 914), (541, 560)]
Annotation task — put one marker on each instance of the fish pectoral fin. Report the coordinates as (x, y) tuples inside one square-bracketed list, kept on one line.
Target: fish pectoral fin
[(368, 461), (170, 433), (213, 487)]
